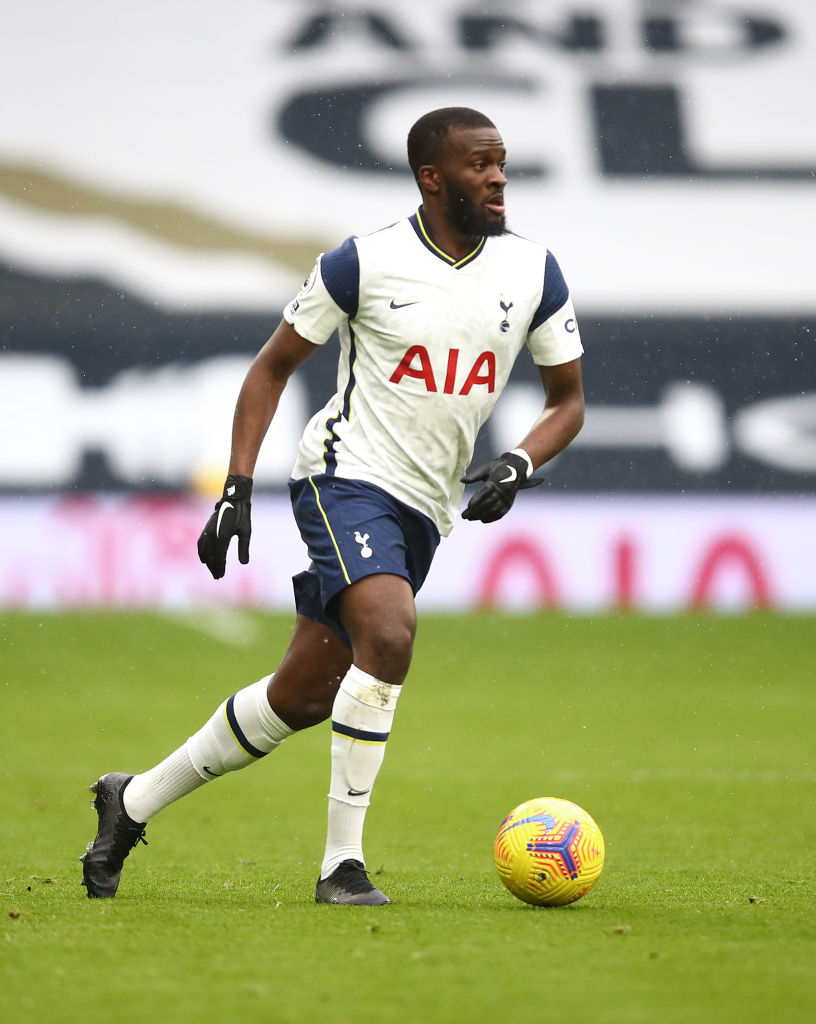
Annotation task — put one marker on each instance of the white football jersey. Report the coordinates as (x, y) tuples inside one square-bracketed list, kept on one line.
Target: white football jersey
[(427, 344)]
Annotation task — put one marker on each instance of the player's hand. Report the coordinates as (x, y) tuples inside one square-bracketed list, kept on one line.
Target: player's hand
[(503, 477), (231, 518)]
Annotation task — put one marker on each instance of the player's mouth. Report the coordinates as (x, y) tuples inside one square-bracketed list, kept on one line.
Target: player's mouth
[(496, 204)]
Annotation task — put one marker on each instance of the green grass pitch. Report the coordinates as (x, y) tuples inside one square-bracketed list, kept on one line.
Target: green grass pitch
[(690, 739)]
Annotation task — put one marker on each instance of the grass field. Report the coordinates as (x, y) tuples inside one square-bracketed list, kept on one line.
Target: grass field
[(690, 740)]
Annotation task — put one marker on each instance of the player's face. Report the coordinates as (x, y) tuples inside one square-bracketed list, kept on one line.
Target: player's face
[(473, 181)]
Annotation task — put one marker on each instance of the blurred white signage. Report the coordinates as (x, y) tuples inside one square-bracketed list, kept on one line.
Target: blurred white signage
[(200, 155), (171, 424)]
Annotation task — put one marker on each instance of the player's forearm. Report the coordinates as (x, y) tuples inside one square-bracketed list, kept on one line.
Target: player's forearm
[(555, 428), (254, 411), (261, 391), (563, 415)]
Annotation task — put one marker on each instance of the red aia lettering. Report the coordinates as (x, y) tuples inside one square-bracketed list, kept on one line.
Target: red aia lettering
[(483, 370), (731, 551), (488, 360), (623, 559), (518, 554), (450, 376), (425, 371)]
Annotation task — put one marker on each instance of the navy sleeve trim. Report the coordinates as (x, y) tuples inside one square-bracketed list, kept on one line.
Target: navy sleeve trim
[(340, 270), (554, 293)]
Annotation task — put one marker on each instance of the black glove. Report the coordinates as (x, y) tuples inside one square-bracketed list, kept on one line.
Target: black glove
[(231, 518), (504, 476)]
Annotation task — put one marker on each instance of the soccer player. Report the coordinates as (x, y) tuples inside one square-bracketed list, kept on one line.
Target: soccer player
[(432, 313)]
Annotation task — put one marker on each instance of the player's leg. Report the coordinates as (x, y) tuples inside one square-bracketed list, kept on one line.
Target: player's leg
[(251, 723), (245, 727), (370, 554), (379, 615), (302, 690)]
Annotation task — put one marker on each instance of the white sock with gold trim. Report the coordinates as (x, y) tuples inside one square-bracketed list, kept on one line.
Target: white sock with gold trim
[(242, 730)]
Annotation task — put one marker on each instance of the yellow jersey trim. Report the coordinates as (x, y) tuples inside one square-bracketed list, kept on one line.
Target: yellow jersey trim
[(441, 252)]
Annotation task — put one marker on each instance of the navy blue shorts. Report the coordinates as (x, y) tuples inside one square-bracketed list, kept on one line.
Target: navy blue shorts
[(354, 529)]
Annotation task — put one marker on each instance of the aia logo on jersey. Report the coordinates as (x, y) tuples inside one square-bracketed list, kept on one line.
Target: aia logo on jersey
[(416, 363)]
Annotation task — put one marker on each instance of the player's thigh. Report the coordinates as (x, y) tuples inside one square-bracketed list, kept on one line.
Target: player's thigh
[(379, 614), (305, 683), (354, 530)]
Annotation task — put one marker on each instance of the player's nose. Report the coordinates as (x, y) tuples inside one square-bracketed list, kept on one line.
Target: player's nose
[(498, 177)]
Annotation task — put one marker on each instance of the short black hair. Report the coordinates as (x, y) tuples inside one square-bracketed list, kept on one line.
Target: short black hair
[(429, 134)]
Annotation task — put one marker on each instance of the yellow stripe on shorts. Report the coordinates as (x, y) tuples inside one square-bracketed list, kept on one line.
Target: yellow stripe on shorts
[(331, 532)]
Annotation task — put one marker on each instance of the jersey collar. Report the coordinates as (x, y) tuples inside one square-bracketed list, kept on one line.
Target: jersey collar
[(418, 225)]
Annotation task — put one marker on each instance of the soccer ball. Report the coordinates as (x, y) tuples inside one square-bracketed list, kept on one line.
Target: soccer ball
[(549, 852)]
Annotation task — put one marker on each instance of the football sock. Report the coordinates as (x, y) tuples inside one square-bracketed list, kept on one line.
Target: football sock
[(150, 792), (242, 730), (361, 722)]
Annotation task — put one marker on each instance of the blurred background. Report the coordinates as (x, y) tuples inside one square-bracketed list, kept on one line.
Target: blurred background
[(168, 174)]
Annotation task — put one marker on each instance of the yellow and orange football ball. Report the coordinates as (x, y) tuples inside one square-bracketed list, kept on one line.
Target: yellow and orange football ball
[(549, 852)]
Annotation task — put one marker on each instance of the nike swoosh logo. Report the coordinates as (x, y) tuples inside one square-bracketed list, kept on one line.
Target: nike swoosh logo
[(511, 476), (359, 792), (401, 305), (221, 512), (212, 774)]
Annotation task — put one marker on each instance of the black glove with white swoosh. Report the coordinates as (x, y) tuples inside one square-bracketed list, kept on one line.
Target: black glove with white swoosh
[(503, 477), (231, 518)]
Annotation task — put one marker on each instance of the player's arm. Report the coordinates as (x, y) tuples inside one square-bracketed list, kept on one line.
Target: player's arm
[(260, 394), (559, 422), (256, 406), (563, 414)]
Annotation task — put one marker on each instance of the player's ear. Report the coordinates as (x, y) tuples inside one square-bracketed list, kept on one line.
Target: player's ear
[(429, 179)]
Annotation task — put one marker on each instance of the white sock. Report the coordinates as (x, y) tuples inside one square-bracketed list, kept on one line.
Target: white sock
[(150, 792), (361, 722), (242, 730)]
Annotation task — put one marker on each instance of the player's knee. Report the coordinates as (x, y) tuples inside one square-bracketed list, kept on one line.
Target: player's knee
[(379, 615), (385, 650), (301, 707)]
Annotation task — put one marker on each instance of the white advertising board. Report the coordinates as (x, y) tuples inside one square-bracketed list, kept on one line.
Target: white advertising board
[(577, 554)]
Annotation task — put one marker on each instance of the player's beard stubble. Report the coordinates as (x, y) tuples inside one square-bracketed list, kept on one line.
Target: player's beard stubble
[(465, 216)]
